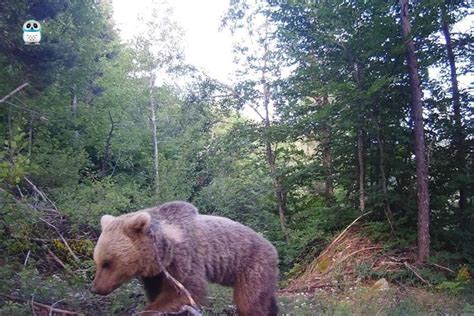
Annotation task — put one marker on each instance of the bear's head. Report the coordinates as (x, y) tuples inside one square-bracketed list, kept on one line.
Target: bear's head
[(118, 254)]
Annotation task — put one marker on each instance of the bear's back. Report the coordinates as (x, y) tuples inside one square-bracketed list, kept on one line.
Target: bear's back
[(173, 212)]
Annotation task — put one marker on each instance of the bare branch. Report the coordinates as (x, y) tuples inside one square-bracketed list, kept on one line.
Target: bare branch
[(62, 238), (55, 258), (41, 308), (257, 112), (41, 193), (342, 234), (412, 269), (27, 257), (13, 92), (180, 286), (444, 268)]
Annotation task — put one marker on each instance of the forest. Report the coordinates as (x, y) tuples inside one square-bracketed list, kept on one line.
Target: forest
[(345, 138)]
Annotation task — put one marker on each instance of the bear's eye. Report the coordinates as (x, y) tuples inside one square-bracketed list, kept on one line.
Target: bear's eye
[(106, 264)]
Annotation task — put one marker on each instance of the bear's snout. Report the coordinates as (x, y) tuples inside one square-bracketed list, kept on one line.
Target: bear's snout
[(97, 290)]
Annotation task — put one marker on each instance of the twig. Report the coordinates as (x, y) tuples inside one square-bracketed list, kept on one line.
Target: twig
[(340, 235), (57, 259), (416, 273), (27, 257), (46, 199), (33, 304), (51, 310), (52, 306), (191, 310), (178, 284), (41, 193), (13, 92), (186, 308), (62, 238), (357, 251), (19, 191), (181, 287), (444, 268), (352, 254)]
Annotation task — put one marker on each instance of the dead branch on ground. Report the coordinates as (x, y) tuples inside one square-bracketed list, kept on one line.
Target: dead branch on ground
[(338, 238), (40, 309), (412, 269)]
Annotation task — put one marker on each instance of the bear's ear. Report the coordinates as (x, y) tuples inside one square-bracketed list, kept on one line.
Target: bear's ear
[(138, 224), (105, 220)]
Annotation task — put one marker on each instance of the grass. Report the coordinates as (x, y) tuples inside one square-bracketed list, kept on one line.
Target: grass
[(346, 299), (358, 300), (366, 301)]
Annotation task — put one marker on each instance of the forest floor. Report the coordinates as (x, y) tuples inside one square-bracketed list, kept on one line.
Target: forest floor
[(352, 276), (355, 276)]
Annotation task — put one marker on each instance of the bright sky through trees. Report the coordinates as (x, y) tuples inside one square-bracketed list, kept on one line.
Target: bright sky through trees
[(206, 47)]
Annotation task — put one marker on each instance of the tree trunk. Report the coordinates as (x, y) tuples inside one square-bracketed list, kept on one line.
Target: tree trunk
[(420, 150), (459, 138), (154, 137), (278, 190), (108, 143), (73, 102), (383, 178), (360, 160), (357, 74), (327, 157), (74, 113), (30, 135)]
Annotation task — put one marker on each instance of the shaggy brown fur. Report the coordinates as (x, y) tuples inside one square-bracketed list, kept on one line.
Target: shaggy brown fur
[(194, 249)]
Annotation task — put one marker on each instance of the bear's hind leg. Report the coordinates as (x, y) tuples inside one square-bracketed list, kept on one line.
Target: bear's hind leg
[(250, 303), (254, 292)]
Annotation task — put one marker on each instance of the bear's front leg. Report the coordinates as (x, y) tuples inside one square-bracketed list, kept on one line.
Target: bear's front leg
[(169, 299)]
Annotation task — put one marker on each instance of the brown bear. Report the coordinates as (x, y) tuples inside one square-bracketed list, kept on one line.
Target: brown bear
[(194, 249)]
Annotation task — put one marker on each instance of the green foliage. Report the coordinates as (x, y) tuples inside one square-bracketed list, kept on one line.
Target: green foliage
[(81, 134), (70, 291), (86, 202), (468, 309), (459, 284), (13, 163)]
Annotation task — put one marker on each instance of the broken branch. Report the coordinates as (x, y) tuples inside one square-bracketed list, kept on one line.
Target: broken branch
[(180, 286), (62, 238), (13, 92), (339, 237), (412, 269), (41, 309)]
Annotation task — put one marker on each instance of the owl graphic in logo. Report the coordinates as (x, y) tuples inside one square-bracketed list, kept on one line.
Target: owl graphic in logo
[(32, 32)]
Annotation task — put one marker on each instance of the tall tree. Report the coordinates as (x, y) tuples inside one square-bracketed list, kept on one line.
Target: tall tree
[(420, 148), (459, 139), (259, 61), (158, 53)]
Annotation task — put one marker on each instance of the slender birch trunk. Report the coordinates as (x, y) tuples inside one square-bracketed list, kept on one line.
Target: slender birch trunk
[(420, 147), (360, 160), (154, 137)]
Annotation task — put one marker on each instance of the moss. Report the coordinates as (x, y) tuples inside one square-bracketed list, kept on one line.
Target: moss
[(323, 263)]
